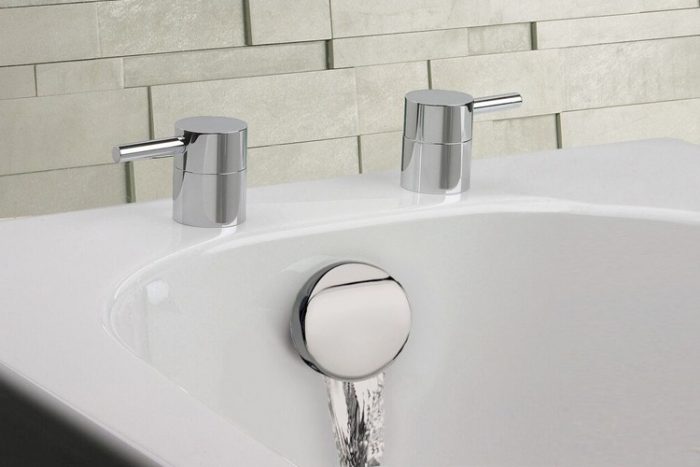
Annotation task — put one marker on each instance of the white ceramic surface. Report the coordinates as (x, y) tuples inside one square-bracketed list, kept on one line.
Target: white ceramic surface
[(556, 314)]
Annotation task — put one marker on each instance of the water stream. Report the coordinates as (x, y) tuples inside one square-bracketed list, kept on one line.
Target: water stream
[(357, 413)]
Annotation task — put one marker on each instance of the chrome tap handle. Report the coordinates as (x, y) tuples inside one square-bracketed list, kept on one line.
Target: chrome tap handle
[(437, 138), (209, 168), (152, 149), (497, 102)]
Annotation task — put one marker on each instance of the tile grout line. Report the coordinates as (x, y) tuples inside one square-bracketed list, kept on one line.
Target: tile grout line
[(36, 82), (533, 36), (247, 26), (359, 154), (557, 126), (430, 74)]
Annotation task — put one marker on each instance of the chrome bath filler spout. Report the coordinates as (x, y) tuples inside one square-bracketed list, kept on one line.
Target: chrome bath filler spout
[(350, 321)]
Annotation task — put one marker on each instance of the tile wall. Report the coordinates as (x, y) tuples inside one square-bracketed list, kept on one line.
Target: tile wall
[(321, 82)]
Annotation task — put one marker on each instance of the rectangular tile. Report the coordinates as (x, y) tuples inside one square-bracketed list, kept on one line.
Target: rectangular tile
[(358, 51), (674, 119), (48, 34), (499, 137), (537, 75), (500, 38), (279, 109), (275, 21), (132, 27), (183, 67), (366, 17), (83, 76), (381, 151), (303, 161), (631, 72), (381, 90), (69, 130), (62, 190), (17, 81), (576, 78), (152, 179), (607, 29), (17, 3)]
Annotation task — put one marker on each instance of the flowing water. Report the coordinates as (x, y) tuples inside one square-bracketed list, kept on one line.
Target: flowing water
[(357, 413)]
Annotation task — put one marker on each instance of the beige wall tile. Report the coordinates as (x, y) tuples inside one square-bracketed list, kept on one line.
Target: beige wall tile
[(303, 161), (631, 72), (83, 76), (366, 17), (575, 78), (279, 109), (537, 75), (62, 190), (152, 179), (674, 119), (48, 34), (381, 151), (358, 51), (16, 3), (17, 81), (380, 93), (132, 27), (498, 39), (266, 166), (274, 21), (69, 130), (606, 29), (494, 138), (183, 67)]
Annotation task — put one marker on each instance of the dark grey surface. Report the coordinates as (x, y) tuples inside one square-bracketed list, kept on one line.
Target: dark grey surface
[(32, 436)]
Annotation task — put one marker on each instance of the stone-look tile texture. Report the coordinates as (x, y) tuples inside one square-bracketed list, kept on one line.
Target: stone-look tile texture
[(152, 179), (69, 130), (674, 119), (16, 3), (537, 75), (556, 80), (499, 137), (587, 31), (321, 82), (82, 76), (17, 81), (367, 17), (303, 161), (358, 51), (48, 34), (274, 21), (55, 190), (382, 151), (279, 109), (499, 39), (130, 27), (380, 93), (183, 67)]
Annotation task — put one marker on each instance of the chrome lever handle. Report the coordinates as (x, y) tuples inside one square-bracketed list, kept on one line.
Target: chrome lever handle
[(437, 138), (497, 102), (209, 168), (153, 149)]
